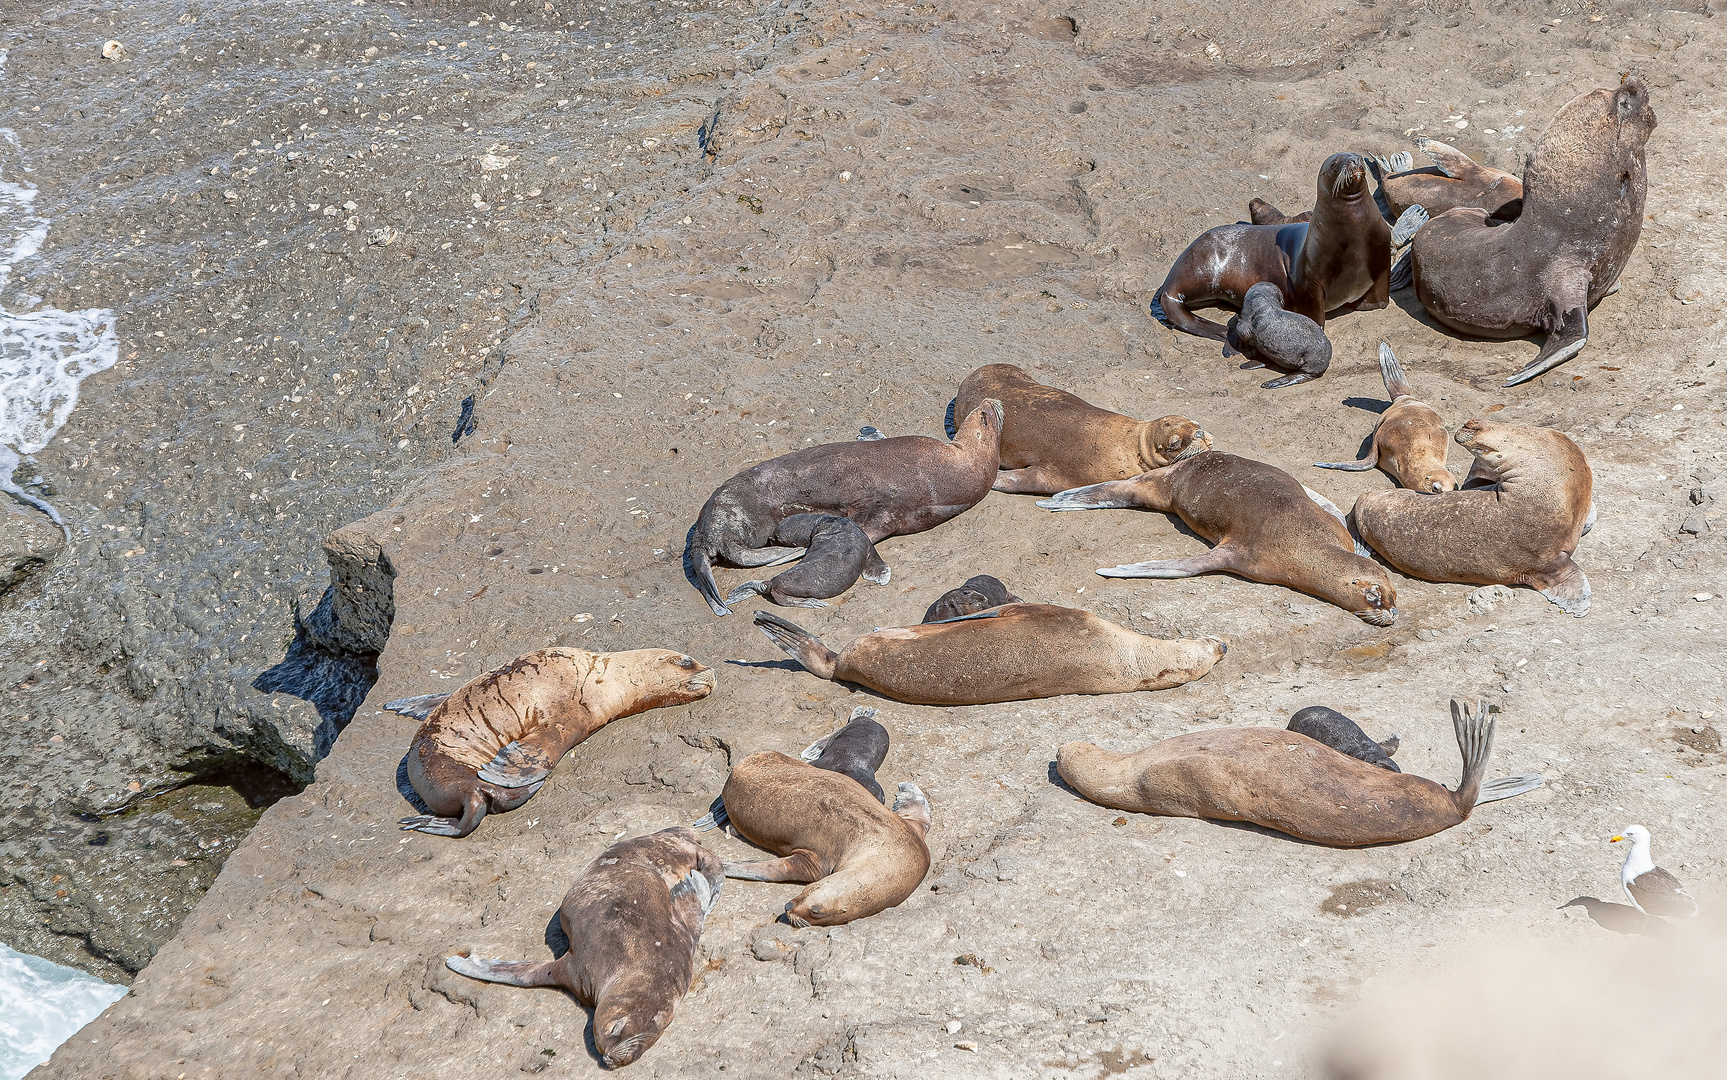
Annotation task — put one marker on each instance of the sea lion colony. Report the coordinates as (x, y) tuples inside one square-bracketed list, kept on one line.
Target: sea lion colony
[(1516, 520)]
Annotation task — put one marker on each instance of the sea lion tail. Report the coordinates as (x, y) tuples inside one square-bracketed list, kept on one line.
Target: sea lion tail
[(1473, 725), (799, 644), (508, 972), (1509, 786), (1396, 382)]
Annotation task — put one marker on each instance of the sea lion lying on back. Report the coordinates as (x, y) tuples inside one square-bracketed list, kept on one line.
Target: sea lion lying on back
[(1268, 335), (1009, 653), (1288, 782), (1410, 441), (979, 593), (632, 918), (1052, 440), (491, 744), (1266, 525), (889, 487)]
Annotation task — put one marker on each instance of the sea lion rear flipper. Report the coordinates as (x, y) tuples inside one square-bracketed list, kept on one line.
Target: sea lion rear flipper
[(1561, 345), (1402, 274), (799, 644), (1508, 786), (508, 972), (519, 764), (1396, 382), (1569, 593), (814, 750), (1220, 557), (1589, 522), (760, 588), (869, 434), (1408, 224), (1473, 725), (1291, 379), (695, 884), (1363, 465), (1447, 158), (417, 708), (913, 805), (799, 868), (1390, 744), (992, 613), (715, 819), (1400, 162)]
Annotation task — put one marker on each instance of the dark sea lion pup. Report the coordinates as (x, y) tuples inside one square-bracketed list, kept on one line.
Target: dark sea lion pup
[(979, 593), (632, 919), (1270, 336), (1410, 441), (491, 744), (1052, 440), (1286, 781), (889, 487), (836, 554), (1344, 735), (856, 750)]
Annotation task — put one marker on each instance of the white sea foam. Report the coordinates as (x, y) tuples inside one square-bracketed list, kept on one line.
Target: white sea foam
[(41, 1005)]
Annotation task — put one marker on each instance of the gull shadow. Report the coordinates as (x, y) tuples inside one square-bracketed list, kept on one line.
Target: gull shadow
[(1619, 918)]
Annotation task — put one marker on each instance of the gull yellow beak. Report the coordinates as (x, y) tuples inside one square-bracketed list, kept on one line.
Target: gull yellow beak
[(1615, 839)]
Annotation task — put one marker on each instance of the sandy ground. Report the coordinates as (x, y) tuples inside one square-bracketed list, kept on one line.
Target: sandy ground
[(895, 198)]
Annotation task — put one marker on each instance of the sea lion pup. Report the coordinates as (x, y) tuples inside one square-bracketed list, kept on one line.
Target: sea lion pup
[(632, 919), (1289, 782), (1583, 191), (491, 744), (1270, 336), (836, 554), (1344, 735), (1338, 261), (979, 593), (856, 856), (1266, 527), (856, 750), (889, 487), (1010, 653), (1521, 533), (1052, 440), (1410, 441)]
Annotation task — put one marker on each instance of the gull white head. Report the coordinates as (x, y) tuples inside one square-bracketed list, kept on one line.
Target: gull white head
[(1637, 860)]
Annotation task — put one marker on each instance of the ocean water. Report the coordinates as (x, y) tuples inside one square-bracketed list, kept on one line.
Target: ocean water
[(41, 1005)]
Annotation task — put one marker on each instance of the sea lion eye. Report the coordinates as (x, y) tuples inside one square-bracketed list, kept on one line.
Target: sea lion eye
[(684, 662)]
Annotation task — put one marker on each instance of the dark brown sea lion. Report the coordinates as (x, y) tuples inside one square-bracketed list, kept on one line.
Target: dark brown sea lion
[(1266, 525), (857, 857), (1344, 735), (856, 750), (632, 919), (1052, 440), (1521, 533), (1338, 261), (979, 593), (1583, 192), (836, 554), (1410, 441), (1289, 782), (491, 744), (1270, 336), (889, 487), (1009, 653)]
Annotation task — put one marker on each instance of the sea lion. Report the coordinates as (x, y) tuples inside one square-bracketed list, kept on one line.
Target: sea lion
[(1266, 527), (632, 918), (491, 744), (855, 855), (979, 593), (1052, 440), (889, 487), (1270, 336), (1338, 261), (1289, 782), (1521, 533), (1410, 441), (856, 750), (1583, 192), (1455, 179), (1010, 653), (1344, 735), (836, 554)]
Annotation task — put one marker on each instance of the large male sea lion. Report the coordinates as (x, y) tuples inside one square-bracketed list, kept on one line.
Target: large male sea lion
[(1052, 440), (1410, 441), (1268, 335), (1266, 527), (889, 487), (979, 593), (1583, 191), (1286, 781), (491, 744), (1520, 533), (857, 857), (632, 918), (1009, 653), (1338, 261)]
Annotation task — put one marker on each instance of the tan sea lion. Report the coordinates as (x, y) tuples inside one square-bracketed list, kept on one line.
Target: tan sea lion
[(1052, 440), (1266, 525), (1583, 193), (856, 856), (1521, 533), (1410, 441), (1010, 653), (632, 918), (491, 744), (889, 487), (1286, 781)]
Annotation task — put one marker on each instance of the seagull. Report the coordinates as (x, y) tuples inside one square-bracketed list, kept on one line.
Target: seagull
[(1652, 890)]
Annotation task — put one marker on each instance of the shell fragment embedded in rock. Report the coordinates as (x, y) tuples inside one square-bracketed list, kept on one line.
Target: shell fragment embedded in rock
[(113, 50)]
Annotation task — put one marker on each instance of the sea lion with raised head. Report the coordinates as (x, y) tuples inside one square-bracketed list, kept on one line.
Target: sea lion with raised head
[(1266, 527), (888, 487), (1286, 781), (1521, 532), (836, 554), (493, 742), (855, 750), (856, 856), (1410, 441), (1340, 260), (1010, 653), (1269, 336), (979, 593), (1344, 735), (1583, 191), (632, 918), (1454, 179), (1052, 440)]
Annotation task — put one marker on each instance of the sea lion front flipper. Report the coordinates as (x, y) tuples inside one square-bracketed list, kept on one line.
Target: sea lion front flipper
[(1289, 380), (992, 613), (1390, 743), (1570, 592), (508, 972), (519, 764), (1561, 345), (1109, 495), (760, 588), (696, 885), (1509, 786), (1221, 557), (1249, 365), (417, 708), (814, 750), (716, 816), (1363, 465), (799, 868), (870, 434), (754, 558), (875, 571), (912, 804), (432, 825)]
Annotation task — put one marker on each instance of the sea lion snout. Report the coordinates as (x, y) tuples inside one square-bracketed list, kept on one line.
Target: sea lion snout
[(1381, 601), (1437, 482)]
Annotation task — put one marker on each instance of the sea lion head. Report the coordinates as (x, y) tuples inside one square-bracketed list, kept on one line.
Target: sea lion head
[(822, 904), (1170, 439), (1378, 599), (1483, 438), (663, 677), (1630, 108), (982, 424), (1436, 481), (1343, 176), (626, 1027)]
